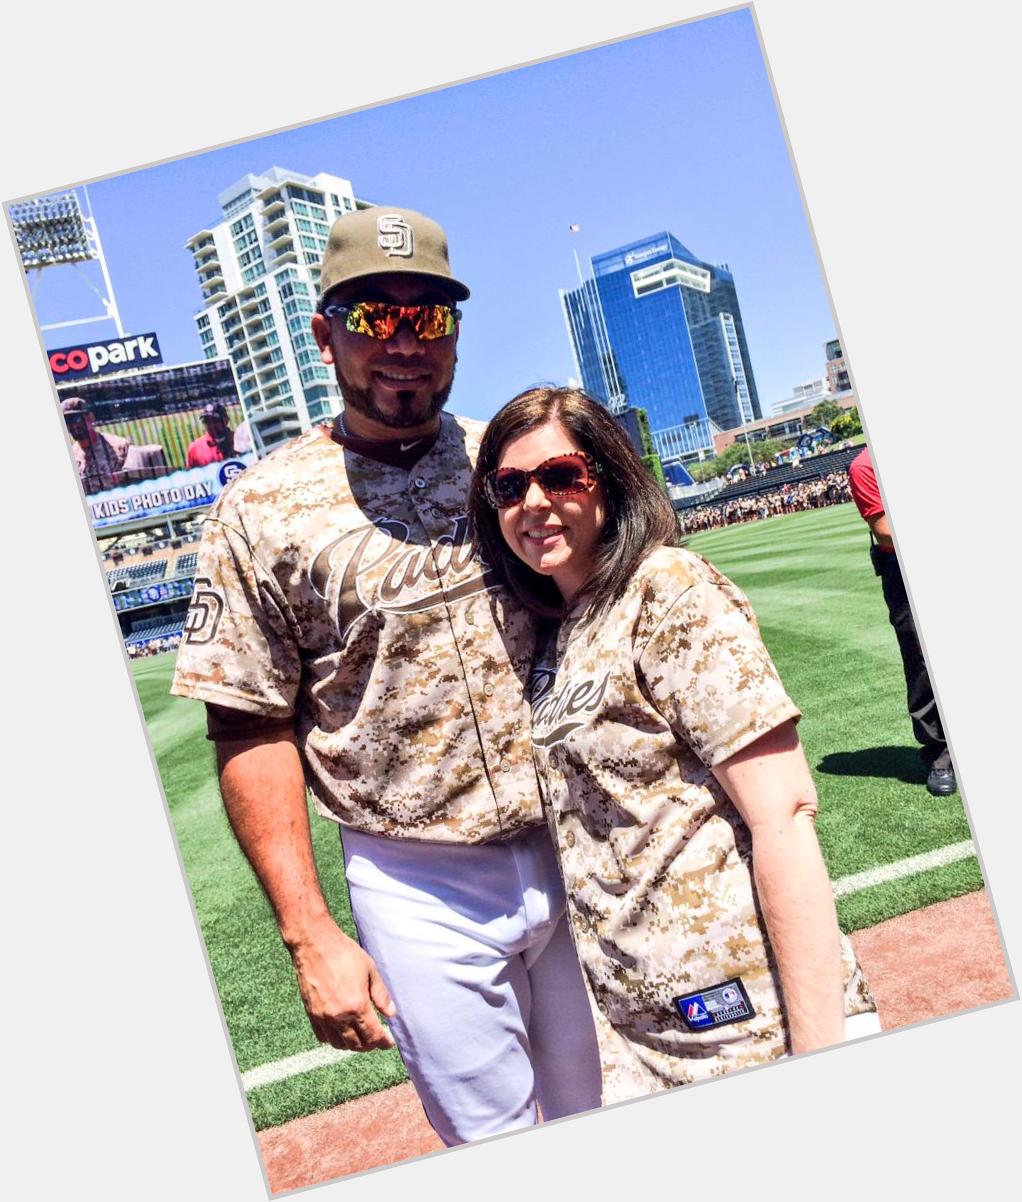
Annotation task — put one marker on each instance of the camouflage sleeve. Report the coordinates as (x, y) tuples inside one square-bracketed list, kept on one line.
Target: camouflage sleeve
[(707, 671), (238, 648)]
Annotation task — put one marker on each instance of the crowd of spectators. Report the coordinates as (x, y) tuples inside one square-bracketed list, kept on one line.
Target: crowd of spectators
[(831, 489), (154, 646), (741, 472)]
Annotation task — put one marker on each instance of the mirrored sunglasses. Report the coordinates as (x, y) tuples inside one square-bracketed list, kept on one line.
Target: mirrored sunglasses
[(379, 319), (561, 476)]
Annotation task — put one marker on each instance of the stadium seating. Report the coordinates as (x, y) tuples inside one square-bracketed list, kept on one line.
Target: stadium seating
[(185, 565), (777, 477), (137, 574), (145, 563)]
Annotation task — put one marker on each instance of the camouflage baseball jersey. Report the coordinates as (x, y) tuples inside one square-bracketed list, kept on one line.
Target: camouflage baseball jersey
[(630, 713), (342, 592)]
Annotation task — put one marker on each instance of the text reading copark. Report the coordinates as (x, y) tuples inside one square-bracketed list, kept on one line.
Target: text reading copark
[(69, 362)]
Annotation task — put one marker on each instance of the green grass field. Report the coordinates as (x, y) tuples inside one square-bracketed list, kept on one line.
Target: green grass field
[(821, 613), (252, 969), (819, 605)]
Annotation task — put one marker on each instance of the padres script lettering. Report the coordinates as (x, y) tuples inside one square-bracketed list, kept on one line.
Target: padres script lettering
[(552, 715), (384, 551)]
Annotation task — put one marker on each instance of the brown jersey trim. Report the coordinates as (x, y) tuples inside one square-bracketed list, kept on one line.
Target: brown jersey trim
[(229, 725), (396, 452)]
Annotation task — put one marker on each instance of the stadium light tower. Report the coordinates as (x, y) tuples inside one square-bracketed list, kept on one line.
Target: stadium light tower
[(52, 231), (741, 410)]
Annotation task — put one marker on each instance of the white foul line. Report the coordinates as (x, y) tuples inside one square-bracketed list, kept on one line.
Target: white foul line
[(281, 1070), (902, 868)]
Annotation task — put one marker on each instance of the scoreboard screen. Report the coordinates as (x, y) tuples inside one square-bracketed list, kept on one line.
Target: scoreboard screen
[(152, 594)]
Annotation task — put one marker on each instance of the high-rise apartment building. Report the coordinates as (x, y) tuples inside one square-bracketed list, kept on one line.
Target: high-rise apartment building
[(657, 328), (837, 368), (258, 270)]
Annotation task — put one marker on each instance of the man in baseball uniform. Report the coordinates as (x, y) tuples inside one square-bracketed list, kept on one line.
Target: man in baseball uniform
[(922, 705), (99, 457), (344, 638)]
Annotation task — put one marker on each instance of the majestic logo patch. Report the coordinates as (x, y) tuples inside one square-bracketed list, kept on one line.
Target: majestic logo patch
[(395, 235), (715, 1007), (395, 565)]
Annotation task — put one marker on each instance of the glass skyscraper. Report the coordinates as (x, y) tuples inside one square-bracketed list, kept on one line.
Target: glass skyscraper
[(657, 328)]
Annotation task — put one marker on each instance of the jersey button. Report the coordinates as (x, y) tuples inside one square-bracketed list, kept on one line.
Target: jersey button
[(569, 839), (419, 482), (505, 765), (488, 690), (470, 618)]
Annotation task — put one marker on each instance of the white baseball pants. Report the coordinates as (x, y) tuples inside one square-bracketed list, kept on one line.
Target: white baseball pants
[(858, 1026), (473, 944)]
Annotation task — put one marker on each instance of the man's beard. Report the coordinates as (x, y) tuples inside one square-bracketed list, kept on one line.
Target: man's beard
[(361, 400)]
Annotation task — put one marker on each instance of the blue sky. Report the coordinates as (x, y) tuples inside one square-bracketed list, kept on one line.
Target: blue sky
[(675, 130)]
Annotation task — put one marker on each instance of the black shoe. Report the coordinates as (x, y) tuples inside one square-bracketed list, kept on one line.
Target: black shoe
[(941, 780)]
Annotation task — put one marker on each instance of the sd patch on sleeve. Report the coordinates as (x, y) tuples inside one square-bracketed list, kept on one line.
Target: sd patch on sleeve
[(715, 1007)]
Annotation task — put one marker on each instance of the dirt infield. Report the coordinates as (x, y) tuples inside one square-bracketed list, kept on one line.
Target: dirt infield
[(365, 1134), (937, 961), (934, 962)]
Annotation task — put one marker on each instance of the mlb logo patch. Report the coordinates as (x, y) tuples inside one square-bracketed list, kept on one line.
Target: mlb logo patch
[(717, 1006)]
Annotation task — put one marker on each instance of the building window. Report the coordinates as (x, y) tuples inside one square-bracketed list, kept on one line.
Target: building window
[(298, 325), (238, 203)]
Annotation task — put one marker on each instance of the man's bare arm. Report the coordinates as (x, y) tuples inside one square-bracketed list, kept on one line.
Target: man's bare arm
[(881, 528), (263, 788)]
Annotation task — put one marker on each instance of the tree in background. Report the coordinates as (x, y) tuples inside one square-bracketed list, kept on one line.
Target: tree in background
[(824, 414), (635, 422), (656, 469), (847, 425), (764, 451), (706, 469)]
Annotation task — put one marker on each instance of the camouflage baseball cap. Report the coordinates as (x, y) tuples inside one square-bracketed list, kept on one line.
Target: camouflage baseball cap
[(381, 240)]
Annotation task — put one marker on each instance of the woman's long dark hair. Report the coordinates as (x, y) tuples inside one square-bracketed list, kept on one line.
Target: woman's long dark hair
[(639, 515)]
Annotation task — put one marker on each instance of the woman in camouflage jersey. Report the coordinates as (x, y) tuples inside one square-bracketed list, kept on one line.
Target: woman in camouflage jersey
[(678, 793)]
